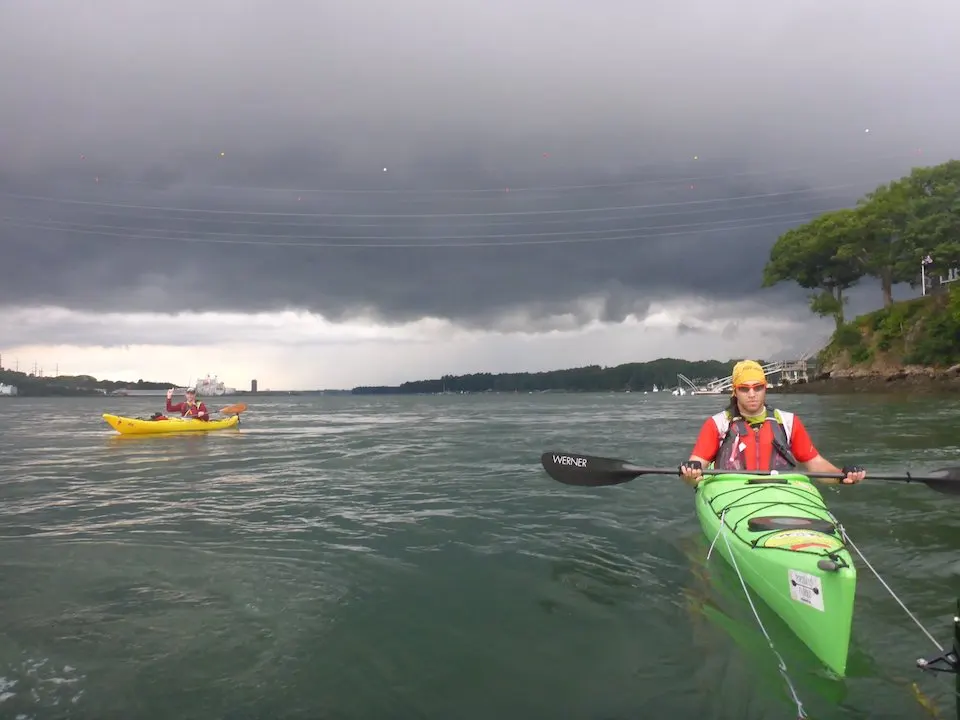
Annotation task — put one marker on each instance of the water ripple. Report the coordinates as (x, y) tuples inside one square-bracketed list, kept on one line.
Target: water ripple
[(337, 556)]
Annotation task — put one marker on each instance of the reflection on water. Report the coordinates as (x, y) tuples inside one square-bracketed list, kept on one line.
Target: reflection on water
[(599, 576), (715, 600)]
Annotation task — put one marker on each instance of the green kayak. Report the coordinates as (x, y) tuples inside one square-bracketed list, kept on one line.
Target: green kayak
[(780, 538)]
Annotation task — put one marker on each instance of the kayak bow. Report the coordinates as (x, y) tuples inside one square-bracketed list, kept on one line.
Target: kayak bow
[(785, 545)]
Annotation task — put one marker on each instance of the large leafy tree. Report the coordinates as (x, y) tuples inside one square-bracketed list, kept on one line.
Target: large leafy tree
[(889, 233), (933, 225), (810, 256), (878, 241)]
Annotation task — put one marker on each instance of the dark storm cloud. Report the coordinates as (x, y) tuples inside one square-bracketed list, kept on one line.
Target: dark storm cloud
[(115, 196), (684, 328)]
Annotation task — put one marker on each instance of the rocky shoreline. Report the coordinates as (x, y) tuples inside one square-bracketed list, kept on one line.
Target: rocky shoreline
[(908, 379)]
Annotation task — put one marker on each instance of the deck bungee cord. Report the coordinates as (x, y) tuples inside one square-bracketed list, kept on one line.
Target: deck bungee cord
[(781, 665)]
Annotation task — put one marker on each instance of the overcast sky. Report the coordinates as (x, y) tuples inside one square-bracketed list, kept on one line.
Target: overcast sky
[(334, 194)]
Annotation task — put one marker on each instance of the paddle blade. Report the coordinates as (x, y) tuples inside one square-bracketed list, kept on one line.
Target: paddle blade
[(587, 470), (945, 480), (234, 409)]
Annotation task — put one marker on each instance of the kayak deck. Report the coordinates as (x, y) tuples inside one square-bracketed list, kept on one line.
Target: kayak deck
[(139, 426), (786, 546)]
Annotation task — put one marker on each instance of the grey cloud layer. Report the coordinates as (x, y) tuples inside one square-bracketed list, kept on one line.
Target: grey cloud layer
[(446, 96)]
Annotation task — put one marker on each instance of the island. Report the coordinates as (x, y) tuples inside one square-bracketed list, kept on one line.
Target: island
[(629, 377)]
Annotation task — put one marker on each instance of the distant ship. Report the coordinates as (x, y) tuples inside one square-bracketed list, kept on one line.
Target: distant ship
[(212, 387)]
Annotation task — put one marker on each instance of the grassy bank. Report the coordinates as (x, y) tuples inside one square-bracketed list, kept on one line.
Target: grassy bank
[(923, 333), (911, 346)]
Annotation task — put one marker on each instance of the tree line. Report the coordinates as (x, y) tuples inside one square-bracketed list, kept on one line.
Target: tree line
[(28, 384), (887, 235), (592, 378)]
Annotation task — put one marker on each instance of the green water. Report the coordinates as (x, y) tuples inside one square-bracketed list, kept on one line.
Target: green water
[(408, 558)]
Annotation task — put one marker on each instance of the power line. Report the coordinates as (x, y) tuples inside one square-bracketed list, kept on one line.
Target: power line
[(66, 225), (510, 213), (608, 216), (388, 245)]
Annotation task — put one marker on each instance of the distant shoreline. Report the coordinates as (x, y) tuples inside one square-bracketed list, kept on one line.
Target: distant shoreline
[(161, 396), (910, 380), (921, 381), (845, 386)]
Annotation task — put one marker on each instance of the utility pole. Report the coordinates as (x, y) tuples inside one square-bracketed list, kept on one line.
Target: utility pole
[(927, 260)]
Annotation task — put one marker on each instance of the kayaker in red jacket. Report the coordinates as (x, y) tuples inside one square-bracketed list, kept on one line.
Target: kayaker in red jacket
[(189, 407), (749, 435)]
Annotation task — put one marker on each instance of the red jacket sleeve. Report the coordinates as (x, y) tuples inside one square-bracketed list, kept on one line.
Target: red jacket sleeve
[(174, 408), (708, 441), (801, 445)]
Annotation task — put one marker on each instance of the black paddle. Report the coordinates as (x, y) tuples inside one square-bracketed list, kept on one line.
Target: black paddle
[(590, 471)]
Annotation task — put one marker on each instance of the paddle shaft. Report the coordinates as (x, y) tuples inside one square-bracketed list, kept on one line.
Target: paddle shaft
[(234, 409), (823, 475), (589, 471)]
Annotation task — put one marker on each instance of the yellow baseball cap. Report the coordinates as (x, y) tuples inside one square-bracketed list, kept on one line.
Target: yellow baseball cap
[(747, 371)]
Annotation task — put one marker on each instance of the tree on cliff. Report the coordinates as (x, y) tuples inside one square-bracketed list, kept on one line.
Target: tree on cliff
[(879, 241), (885, 236), (906, 220), (810, 256), (933, 227)]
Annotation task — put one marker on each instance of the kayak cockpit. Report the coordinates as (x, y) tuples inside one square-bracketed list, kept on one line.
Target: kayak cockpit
[(787, 522)]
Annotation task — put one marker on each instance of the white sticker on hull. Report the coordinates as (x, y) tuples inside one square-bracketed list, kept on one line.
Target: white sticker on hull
[(806, 589)]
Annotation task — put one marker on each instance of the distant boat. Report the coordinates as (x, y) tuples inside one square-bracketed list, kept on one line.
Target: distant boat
[(212, 387)]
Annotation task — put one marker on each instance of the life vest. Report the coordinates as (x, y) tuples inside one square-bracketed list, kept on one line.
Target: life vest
[(743, 447)]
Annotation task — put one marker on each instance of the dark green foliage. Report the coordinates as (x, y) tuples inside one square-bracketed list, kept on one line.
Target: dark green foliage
[(630, 376), (939, 343), (885, 236), (924, 331), (847, 336), (810, 255), (71, 385)]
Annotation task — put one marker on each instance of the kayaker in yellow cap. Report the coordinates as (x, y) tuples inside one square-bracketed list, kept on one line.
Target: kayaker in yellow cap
[(749, 435)]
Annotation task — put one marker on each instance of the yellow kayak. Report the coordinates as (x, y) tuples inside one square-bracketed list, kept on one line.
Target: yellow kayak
[(136, 426)]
